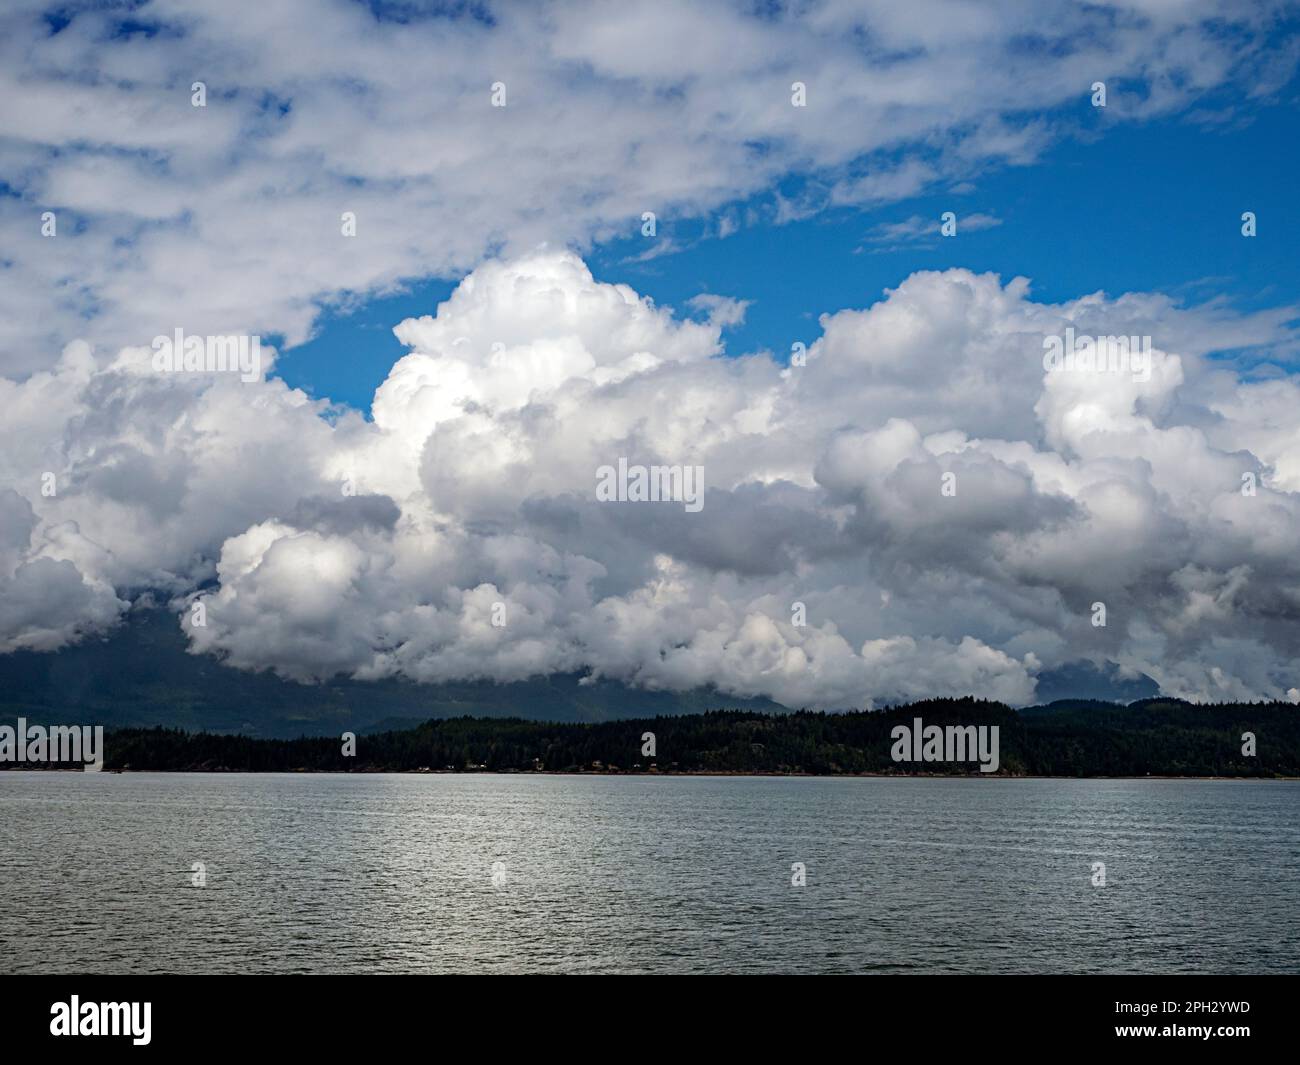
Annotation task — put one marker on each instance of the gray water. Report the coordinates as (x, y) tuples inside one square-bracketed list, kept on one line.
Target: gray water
[(392, 873)]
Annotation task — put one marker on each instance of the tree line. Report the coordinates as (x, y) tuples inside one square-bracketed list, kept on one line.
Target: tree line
[(1161, 737)]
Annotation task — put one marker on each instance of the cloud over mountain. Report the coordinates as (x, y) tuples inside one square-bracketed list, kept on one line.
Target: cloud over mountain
[(458, 534)]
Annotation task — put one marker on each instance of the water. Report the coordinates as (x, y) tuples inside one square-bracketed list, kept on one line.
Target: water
[(391, 873)]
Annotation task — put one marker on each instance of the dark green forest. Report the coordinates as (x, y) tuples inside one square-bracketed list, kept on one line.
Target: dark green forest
[(1160, 737)]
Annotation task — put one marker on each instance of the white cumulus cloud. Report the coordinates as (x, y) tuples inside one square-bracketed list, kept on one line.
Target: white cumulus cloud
[(458, 534)]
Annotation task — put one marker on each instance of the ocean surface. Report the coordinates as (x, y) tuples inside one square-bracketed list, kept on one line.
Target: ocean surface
[(487, 873)]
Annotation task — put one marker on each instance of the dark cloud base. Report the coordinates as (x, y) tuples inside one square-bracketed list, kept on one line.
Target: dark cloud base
[(141, 675)]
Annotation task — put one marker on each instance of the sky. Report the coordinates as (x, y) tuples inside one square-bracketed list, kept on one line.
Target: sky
[(407, 484), (1113, 208)]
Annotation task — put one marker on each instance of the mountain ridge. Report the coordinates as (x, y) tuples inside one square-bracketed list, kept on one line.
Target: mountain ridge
[(141, 675)]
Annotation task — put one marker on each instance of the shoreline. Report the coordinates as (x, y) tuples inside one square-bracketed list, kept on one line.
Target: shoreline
[(661, 773)]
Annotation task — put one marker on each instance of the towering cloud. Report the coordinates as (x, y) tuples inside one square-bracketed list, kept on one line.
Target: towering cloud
[(922, 508)]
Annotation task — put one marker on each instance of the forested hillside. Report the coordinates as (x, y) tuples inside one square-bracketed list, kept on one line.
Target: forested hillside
[(1157, 736)]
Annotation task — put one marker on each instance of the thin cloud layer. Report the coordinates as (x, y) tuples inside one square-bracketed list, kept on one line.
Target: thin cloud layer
[(920, 509), (227, 217)]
